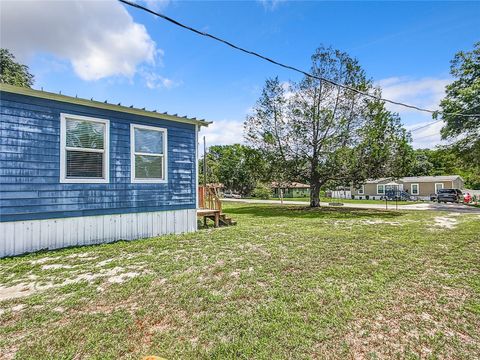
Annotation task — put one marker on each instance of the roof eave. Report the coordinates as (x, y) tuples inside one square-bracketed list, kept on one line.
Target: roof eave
[(98, 104)]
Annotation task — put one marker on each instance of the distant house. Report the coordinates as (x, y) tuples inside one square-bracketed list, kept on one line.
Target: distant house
[(290, 189), (76, 172), (421, 187)]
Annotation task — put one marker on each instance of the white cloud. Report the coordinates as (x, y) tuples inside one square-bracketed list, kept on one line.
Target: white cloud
[(99, 38), (157, 81), (223, 132), (270, 4), (428, 136), (421, 92), (155, 5)]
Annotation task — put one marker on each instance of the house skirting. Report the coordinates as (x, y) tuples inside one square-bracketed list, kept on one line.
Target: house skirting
[(20, 237)]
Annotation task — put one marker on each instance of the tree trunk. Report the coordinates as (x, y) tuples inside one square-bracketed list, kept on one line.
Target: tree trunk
[(314, 195), (315, 190)]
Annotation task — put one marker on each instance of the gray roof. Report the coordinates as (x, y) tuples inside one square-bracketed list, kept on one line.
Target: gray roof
[(430, 178), (419, 179)]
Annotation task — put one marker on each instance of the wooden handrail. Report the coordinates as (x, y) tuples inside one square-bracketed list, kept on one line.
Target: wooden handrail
[(208, 198)]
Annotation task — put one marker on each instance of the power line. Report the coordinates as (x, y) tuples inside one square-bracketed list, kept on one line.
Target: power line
[(202, 33), (425, 137), (425, 126)]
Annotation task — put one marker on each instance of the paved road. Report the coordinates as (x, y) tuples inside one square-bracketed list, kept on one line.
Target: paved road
[(391, 206)]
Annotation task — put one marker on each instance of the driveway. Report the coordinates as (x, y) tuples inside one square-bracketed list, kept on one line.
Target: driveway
[(391, 205)]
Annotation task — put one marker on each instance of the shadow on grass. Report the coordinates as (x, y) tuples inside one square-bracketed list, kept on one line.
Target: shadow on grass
[(307, 212)]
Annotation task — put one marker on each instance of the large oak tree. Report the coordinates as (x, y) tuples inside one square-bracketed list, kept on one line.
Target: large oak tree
[(323, 133)]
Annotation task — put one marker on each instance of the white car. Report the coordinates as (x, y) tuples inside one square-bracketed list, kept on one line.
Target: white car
[(231, 195)]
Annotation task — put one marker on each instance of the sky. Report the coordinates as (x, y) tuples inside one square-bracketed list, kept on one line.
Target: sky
[(108, 51)]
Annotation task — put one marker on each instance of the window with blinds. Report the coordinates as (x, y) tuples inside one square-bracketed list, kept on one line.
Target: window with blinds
[(148, 153), (84, 156)]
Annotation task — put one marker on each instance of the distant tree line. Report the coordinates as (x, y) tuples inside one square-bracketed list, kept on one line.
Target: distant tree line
[(243, 169)]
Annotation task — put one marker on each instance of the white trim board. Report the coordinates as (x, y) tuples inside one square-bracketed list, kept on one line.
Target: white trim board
[(132, 154), (20, 237), (381, 193), (63, 151), (418, 189)]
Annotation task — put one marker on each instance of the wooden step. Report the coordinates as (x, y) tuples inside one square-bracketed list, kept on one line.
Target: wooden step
[(225, 219), (216, 216)]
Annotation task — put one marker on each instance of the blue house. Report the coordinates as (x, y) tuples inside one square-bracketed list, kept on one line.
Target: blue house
[(77, 172)]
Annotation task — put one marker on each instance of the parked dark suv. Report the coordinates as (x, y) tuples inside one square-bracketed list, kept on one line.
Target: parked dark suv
[(449, 195)]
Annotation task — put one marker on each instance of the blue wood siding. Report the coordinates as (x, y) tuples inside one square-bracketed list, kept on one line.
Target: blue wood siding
[(30, 185)]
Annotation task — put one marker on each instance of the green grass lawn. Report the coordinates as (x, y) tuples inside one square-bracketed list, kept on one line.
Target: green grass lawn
[(349, 201), (286, 282)]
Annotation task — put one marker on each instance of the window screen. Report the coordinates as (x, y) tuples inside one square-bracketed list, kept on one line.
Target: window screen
[(415, 189), (85, 149), (148, 153)]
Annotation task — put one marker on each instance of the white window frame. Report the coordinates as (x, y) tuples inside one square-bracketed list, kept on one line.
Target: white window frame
[(411, 189), (64, 148), (133, 153), (378, 187), (436, 190), (361, 190)]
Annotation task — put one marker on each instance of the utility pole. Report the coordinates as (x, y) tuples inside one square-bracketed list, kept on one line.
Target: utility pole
[(204, 163)]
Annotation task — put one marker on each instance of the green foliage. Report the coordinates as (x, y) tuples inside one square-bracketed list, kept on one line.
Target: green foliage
[(238, 167), (262, 191), (421, 165), (13, 73), (463, 96)]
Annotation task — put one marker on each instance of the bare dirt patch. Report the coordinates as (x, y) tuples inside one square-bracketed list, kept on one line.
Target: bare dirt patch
[(44, 260), (446, 222), (368, 222), (115, 275), (57, 266)]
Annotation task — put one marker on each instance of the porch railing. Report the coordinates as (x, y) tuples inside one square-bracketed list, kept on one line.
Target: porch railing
[(208, 198)]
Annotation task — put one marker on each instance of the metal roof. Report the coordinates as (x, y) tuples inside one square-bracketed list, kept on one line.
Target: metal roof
[(430, 178), (419, 179), (290, 185), (101, 104)]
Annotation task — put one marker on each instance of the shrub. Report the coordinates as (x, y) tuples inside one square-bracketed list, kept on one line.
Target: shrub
[(262, 191)]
